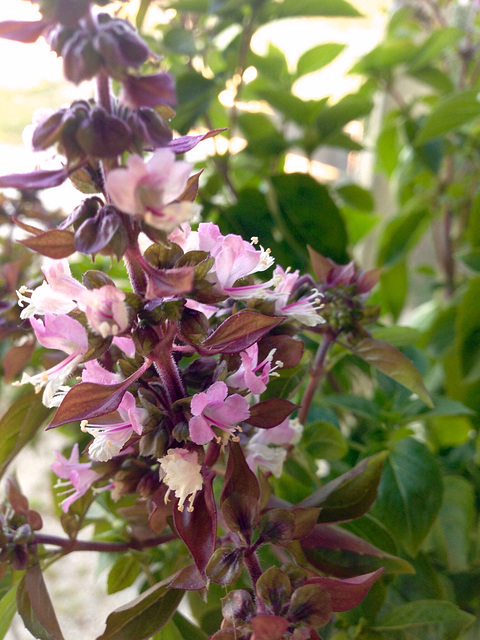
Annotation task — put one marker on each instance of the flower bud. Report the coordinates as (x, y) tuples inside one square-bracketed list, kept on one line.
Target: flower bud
[(237, 607)]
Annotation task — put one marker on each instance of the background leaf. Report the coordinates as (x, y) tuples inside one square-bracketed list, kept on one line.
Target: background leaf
[(409, 493), (428, 619)]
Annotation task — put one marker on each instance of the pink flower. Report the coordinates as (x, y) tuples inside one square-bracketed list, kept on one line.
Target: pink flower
[(235, 258), (180, 471), (261, 455), (63, 333), (245, 377), (105, 310), (212, 408), (104, 307), (304, 309), (149, 189), (78, 474), (110, 437)]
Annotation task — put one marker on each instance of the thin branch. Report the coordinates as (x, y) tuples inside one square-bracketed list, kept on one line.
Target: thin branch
[(316, 375), (69, 545)]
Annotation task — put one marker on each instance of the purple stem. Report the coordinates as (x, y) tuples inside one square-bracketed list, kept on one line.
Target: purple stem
[(316, 375), (96, 545)]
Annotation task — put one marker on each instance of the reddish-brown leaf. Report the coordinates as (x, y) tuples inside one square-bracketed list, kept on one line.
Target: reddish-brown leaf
[(90, 400), (16, 358), (34, 180), (198, 528), (55, 243), (270, 413), (35, 607), (347, 593), (22, 31), (268, 627), (238, 332)]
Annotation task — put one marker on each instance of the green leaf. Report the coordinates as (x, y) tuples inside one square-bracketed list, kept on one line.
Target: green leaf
[(292, 107), (473, 230), (435, 44), (409, 493), (123, 574), (358, 223), (296, 8), (394, 285), (385, 56), (194, 94), (356, 197), (323, 440), (362, 407), (470, 259), (336, 116), (144, 616), (307, 208), (286, 383), (351, 494), (426, 619), (179, 628), (449, 114), (8, 608), (318, 57), (401, 234), (398, 336), (453, 533), (141, 13), (468, 330), (394, 364), (35, 607), (388, 147), (18, 426), (261, 134), (180, 40)]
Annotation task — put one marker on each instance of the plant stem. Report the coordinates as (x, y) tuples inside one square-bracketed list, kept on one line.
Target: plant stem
[(167, 367), (69, 545), (253, 566), (316, 375), (103, 91), (134, 269)]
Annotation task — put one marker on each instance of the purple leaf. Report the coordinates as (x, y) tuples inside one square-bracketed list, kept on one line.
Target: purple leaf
[(339, 552), (55, 243), (241, 492), (188, 578), (198, 528), (35, 607), (269, 627), (347, 593), (20, 31), (185, 143), (162, 283), (34, 180), (238, 332), (270, 413), (149, 91), (90, 400)]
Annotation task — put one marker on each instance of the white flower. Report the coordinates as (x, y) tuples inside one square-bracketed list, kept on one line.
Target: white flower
[(180, 471)]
